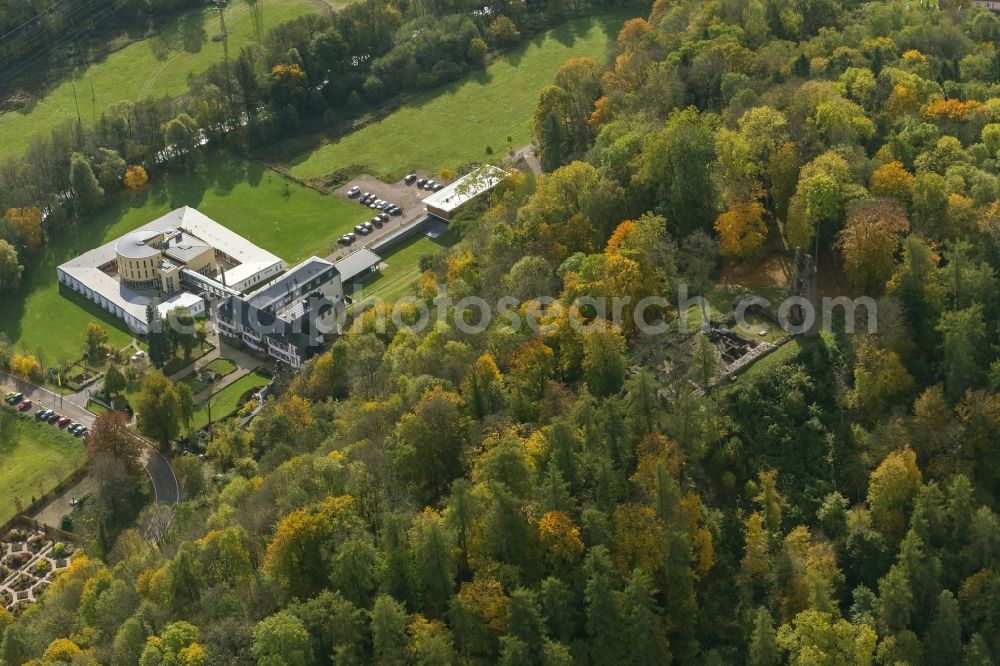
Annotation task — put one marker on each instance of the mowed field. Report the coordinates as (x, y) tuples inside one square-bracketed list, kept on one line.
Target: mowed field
[(291, 221), (36, 457), (157, 66), (452, 126)]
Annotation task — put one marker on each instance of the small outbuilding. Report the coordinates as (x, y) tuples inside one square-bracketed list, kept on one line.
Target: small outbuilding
[(357, 265)]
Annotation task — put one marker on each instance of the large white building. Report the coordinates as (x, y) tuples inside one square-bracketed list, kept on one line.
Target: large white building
[(170, 262), (446, 202)]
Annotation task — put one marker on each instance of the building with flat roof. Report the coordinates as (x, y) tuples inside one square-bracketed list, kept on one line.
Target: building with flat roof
[(170, 262), (447, 201), (357, 265), (289, 317)]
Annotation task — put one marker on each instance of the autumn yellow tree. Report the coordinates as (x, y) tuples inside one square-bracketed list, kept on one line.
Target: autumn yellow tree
[(135, 177), (891, 488), (742, 230), (28, 222), (295, 556), (560, 538), (26, 365), (892, 180)]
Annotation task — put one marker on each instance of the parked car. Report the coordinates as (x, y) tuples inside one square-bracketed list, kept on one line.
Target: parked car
[(73, 427), (83, 432), (410, 178), (14, 398), (377, 221), (421, 182), (353, 192), (438, 187), (429, 185), (138, 355), (54, 418), (41, 414), (64, 421), (361, 229), (344, 240), (396, 210), (25, 406)]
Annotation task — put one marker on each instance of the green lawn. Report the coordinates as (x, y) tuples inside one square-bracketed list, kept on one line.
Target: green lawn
[(401, 273), (454, 125), (157, 66), (36, 458), (222, 366), (244, 196), (225, 401)]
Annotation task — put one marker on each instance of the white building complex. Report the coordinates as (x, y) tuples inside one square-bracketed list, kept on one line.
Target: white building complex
[(185, 259)]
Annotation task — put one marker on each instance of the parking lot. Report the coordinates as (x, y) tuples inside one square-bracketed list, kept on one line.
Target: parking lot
[(408, 197)]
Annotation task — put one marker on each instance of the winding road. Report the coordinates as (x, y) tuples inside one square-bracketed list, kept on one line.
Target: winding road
[(165, 486)]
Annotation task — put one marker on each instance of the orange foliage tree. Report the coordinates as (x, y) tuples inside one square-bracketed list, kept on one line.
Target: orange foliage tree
[(135, 177), (742, 230), (28, 222)]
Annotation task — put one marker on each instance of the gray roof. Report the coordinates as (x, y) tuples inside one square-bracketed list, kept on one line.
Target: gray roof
[(356, 263), (293, 282), (185, 250), (194, 226), (133, 246)]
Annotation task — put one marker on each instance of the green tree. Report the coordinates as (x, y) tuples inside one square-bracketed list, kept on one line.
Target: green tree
[(178, 643), (88, 192), (160, 350), (944, 636), (551, 128), (10, 269), (432, 438), (432, 561), (159, 408), (763, 648), (604, 623), (114, 381), (524, 620), (604, 361), (676, 168), (815, 638), (282, 640), (388, 627), (963, 340), (645, 634)]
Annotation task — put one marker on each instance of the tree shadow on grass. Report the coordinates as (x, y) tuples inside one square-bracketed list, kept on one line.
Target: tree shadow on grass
[(192, 31)]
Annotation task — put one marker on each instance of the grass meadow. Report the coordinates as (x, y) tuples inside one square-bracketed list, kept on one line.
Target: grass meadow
[(36, 457), (401, 272), (288, 219), (453, 125), (226, 401), (156, 66)]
